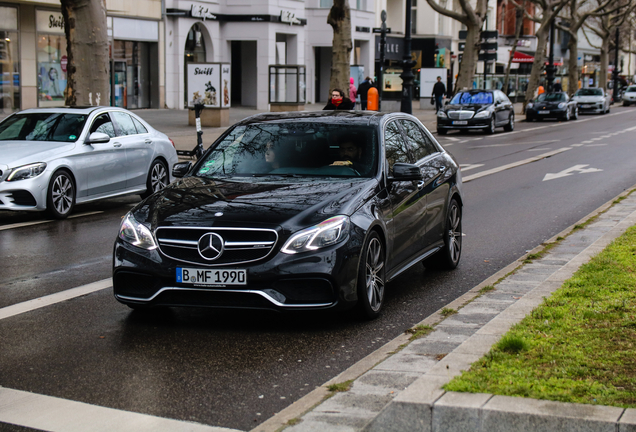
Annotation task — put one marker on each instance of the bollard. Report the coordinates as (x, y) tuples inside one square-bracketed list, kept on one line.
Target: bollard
[(372, 99)]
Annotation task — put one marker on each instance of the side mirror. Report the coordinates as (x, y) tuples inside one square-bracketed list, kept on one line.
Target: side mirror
[(180, 169), (405, 172), (97, 138)]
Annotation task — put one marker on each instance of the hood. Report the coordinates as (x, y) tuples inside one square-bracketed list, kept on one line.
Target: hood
[(471, 107), (550, 104), (588, 98), (18, 153), (195, 201)]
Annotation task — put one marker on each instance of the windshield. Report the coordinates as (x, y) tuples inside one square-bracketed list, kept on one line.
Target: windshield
[(294, 149), (589, 92), (551, 97), (631, 89), (465, 98), (42, 127)]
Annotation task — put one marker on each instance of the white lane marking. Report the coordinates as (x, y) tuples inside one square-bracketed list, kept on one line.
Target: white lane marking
[(587, 142), (539, 149), (86, 214), (51, 299), (596, 145), (451, 139), (23, 224), (49, 413), (514, 164), (466, 167), (569, 171), (576, 145)]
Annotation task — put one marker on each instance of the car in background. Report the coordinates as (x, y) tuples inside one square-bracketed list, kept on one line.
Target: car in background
[(477, 109), (592, 100), (552, 105), (54, 158), (629, 96), (292, 212)]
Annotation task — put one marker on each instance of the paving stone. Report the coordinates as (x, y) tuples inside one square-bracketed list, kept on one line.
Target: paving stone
[(527, 277), (354, 403), (468, 319), (309, 424), (458, 412), (433, 348), (385, 380), (478, 344), (486, 306), (498, 326), (627, 423), (447, 334), (453, 364), (405, 361)]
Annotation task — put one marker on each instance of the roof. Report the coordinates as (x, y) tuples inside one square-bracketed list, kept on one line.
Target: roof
[(330, 116)]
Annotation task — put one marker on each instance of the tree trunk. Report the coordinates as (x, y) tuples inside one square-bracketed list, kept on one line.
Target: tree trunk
[(340, 19), (87, 52), (573, 65), (602, 79), (469, 60), (539, 62), (518, 26)]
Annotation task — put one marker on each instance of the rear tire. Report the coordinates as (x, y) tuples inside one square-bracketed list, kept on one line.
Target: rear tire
[(448, 257), (60, 198), (157, 178), (371, 277)]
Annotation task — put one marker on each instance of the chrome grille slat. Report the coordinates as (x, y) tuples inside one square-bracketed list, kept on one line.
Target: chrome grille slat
[(461, 115), (241, 245)]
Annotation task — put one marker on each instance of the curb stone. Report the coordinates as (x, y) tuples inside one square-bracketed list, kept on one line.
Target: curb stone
[(457, 341)]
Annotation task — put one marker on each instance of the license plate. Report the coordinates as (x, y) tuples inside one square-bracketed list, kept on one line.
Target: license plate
[(211, 277), (587, 106), (460, 122), (544, 112)]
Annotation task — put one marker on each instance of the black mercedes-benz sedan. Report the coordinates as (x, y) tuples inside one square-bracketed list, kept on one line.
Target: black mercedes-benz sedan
[(295, 211), (552, 105), (477, 109)]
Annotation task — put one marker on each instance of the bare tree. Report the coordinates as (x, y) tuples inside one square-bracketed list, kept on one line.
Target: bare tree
[(472, 18), (340, 19), (519, 14), (87, 52)]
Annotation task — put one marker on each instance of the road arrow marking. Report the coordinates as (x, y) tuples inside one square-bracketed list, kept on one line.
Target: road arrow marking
[(568, 172)]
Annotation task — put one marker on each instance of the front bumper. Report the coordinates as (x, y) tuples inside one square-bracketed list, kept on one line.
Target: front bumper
[(447, 123), (306, 281), (24, 195), (545, 113), (590, 107)]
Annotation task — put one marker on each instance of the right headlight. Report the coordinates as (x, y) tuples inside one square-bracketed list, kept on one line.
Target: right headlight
[(136, 233), (326, 233), (530, 105), (441, 113), (483, 114)]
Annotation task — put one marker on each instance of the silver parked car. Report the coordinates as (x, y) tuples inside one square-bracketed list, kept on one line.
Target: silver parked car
[(54, 158), (629, 97), (592, 100)]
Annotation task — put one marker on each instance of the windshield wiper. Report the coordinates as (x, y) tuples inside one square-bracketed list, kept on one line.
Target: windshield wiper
[(278, 175)]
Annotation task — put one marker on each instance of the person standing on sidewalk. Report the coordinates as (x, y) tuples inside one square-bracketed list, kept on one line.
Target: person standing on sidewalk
[(338, 101), (363, 89), (352, 92), (439, 89)]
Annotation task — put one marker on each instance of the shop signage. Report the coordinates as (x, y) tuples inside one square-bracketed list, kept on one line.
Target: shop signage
[(288, 17), (211, 83), (393, 49), (49, 22), (201, 12)]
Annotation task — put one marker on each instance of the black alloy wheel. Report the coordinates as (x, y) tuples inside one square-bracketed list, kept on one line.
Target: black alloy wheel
[(566, 116), (575, 113), (157, 178), (448, 257), (510, 126), (371, 277), (491, 127), (60, 198)]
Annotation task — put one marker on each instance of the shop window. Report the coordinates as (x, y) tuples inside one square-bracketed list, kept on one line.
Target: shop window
[(51, 69), (9, 63)]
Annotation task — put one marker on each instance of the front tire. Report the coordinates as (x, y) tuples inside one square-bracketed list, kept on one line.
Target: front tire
[(448, 257), (371, 277), (491, 127), (157, 178), (566, 116), (510, 126), (575, 115), (60, 198)]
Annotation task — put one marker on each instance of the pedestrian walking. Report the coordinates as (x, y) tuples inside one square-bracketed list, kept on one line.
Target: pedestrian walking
[(353, 93), (363, 89), (338, 101), (557, 87), (438, 93)]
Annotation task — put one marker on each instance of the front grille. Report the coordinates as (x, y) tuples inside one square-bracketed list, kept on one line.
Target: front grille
[(241, 245), (461, 115), (23, 198), (129, 284)]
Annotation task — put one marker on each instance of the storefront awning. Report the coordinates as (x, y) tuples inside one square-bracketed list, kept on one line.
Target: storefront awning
[(520, 57)]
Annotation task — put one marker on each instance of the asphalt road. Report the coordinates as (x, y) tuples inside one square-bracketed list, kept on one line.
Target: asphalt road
[(236, 369)]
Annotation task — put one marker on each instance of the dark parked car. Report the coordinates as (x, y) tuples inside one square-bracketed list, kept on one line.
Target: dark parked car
[(477, 109), (552, 105), (295, 211)]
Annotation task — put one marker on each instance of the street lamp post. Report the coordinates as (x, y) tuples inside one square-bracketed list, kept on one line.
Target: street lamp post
[(551, 69), (615, 72), (407, 66)]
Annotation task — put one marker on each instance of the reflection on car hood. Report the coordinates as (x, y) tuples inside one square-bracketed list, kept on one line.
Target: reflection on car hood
[(589, 98), (17, 153), (195, 201), (471, 107), (550, 104)]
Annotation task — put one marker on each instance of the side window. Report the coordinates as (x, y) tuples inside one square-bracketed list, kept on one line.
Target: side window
[(395, 147), (419, 144), (504, 98), (103, 124), (140, 127), (125, 124)]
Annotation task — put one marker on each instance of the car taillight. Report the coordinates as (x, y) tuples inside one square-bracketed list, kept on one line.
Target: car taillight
[(172, 143)]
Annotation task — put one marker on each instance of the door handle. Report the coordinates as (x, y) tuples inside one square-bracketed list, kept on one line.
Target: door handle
[(116, 144), (148, 141)]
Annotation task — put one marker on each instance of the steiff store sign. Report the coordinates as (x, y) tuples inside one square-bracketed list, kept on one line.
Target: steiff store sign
[(49, 22), (210, 83)]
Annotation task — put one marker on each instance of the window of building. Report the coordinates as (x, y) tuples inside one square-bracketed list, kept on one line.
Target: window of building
[(326, 3), (51, 58), (9, 60)]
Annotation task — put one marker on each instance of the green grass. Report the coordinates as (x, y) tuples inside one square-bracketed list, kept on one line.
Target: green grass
[(486, 289), (578, 346), (340, 387), (448, 312), (419, 331)]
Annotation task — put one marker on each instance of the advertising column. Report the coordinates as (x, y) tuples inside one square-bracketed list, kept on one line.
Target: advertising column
[(51, 58)]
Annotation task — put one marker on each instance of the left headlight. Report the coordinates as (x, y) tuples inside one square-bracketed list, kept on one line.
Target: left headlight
[(26, 171), (483, 114), (441, 113), (136, 233), (562, 105), (326, 233)]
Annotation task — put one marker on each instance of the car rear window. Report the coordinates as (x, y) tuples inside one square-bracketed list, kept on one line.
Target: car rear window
[(294, 149), (59, 127)]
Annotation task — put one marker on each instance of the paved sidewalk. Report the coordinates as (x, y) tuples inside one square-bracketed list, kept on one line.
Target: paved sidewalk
[(402, 392)]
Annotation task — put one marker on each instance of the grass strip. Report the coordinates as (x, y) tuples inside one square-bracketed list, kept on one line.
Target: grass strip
[(578, 346)]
